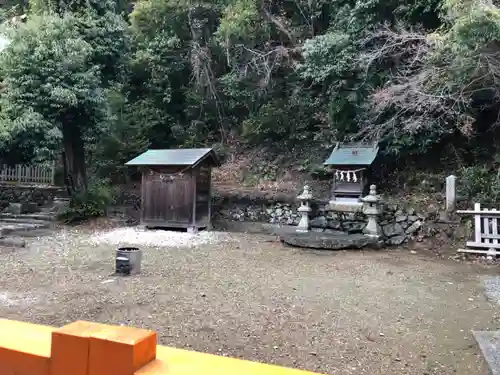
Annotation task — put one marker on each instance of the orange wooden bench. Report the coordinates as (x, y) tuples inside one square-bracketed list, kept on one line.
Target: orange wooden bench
[(85, 348)]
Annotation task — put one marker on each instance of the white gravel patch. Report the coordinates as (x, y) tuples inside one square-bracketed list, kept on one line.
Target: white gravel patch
[(6, 300), (156, 238), (9, 299)]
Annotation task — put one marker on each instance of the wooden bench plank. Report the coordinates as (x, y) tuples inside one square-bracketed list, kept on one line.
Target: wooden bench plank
[(24, 348)]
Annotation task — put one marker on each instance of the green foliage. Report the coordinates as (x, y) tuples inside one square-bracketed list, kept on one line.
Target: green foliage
[(327, 57), (65, 6), (159, 70), (411, 74), (91, 203), (480, 184), (56, 72), (48, 77), (240, 21), (124, 139)]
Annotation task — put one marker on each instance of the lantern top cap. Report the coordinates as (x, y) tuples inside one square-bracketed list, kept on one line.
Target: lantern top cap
[(306, 194), (372, 196)]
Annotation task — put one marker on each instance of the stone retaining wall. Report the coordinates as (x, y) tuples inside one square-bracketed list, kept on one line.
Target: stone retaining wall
[(398, 224), (41, 195)]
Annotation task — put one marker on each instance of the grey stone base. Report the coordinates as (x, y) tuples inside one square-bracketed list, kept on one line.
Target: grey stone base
[(12, 242), (489, 342), (14, 228), (314, 240)]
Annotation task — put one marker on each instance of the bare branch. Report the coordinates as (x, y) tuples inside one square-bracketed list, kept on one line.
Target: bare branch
[(420, 96)]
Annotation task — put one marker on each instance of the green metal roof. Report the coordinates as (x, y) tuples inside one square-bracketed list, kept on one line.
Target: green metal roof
[(353, 154), (183, 156)]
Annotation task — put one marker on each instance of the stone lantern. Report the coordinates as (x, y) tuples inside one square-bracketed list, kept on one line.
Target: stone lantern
[(372, 209), (304, 210)]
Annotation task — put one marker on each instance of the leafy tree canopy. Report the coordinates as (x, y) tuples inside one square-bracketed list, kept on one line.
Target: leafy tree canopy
[(412, 74), (56, 73)]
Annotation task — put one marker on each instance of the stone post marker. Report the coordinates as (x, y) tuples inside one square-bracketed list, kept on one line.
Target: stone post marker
[(372, 209), (451, 193), (304, 210)]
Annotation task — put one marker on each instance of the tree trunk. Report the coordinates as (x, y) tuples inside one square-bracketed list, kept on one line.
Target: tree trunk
[(74, 160)]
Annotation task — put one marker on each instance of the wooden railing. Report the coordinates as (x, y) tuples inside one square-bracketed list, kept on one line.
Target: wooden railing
[(28, 174), (85, 348), (486, 230)]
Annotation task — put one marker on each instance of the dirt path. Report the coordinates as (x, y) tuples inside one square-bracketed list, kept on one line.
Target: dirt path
[(249, 297)]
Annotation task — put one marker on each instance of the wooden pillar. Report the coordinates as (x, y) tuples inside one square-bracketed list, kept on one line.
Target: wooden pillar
[(143, 193), (362, 183), (53, 173), (193, 228), (334, 186), (209, 218)]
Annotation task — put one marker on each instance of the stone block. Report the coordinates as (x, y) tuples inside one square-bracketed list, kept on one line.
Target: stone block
[(401, 218), (353, 227), (14, 208), (488, 342), (334, 224), (451, 193), (336, 232), (60, 206), (414, 227), (12, 242), (396, 240), (392, 230), (317, 230), (328, 241), (319, 222), (413, 218), (410, 211), (30, 208), (338, 206)]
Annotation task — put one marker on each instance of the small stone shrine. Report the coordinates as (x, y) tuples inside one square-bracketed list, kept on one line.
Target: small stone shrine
[(350, 167), (337, 240)]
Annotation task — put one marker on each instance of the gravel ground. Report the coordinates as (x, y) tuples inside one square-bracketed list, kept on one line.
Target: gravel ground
[(248, 297)]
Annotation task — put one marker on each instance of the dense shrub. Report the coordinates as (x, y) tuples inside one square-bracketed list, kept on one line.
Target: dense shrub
[(480, 184), (90, 204)]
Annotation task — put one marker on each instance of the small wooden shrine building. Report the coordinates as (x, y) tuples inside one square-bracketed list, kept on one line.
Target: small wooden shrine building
[(350, 165), (176, 189)]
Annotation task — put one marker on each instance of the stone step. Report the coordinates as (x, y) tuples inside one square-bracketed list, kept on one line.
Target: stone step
[(34, 233), (19, 228), (23, 220), (27, 217), (327, 241), (12, 242)]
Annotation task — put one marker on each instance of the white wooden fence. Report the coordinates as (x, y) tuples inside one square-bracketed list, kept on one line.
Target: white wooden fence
[(486, 229), (28, 174)]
